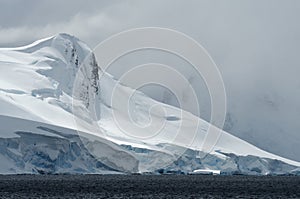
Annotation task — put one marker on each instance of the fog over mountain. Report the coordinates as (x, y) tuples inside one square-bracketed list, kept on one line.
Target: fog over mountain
[(254, 43), (61, 114)]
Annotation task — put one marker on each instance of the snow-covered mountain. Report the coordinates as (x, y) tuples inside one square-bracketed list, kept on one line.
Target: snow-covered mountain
[(58, 115)]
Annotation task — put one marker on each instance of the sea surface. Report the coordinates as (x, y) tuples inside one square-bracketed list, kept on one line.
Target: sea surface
[(148, 186)]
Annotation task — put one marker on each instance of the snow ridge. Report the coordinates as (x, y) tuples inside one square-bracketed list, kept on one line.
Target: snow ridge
[(49, 91)]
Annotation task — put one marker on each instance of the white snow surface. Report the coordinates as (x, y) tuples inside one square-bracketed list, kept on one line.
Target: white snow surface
[(37, 83)]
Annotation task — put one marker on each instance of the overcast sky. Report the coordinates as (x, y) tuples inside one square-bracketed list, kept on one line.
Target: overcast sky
[(255, 43)]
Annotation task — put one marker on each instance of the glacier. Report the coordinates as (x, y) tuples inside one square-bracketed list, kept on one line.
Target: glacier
[(57, 116)]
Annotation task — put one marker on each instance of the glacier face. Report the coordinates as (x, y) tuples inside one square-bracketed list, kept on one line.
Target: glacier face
[(57, 116), (50, 149)]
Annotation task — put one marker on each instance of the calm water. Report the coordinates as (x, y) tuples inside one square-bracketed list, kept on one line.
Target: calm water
[(131, 186)]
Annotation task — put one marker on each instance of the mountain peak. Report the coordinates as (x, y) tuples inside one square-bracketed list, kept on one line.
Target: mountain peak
[(65, 35), (55, 61), (55, 81), (59, 41)]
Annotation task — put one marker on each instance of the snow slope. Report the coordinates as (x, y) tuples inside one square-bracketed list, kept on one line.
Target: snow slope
[(53, 93)]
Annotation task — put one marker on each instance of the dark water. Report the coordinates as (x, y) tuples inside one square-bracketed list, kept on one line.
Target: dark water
[(135, 186)]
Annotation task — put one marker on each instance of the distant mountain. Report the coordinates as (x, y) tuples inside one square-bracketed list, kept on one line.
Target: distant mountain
[(57, 116)]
